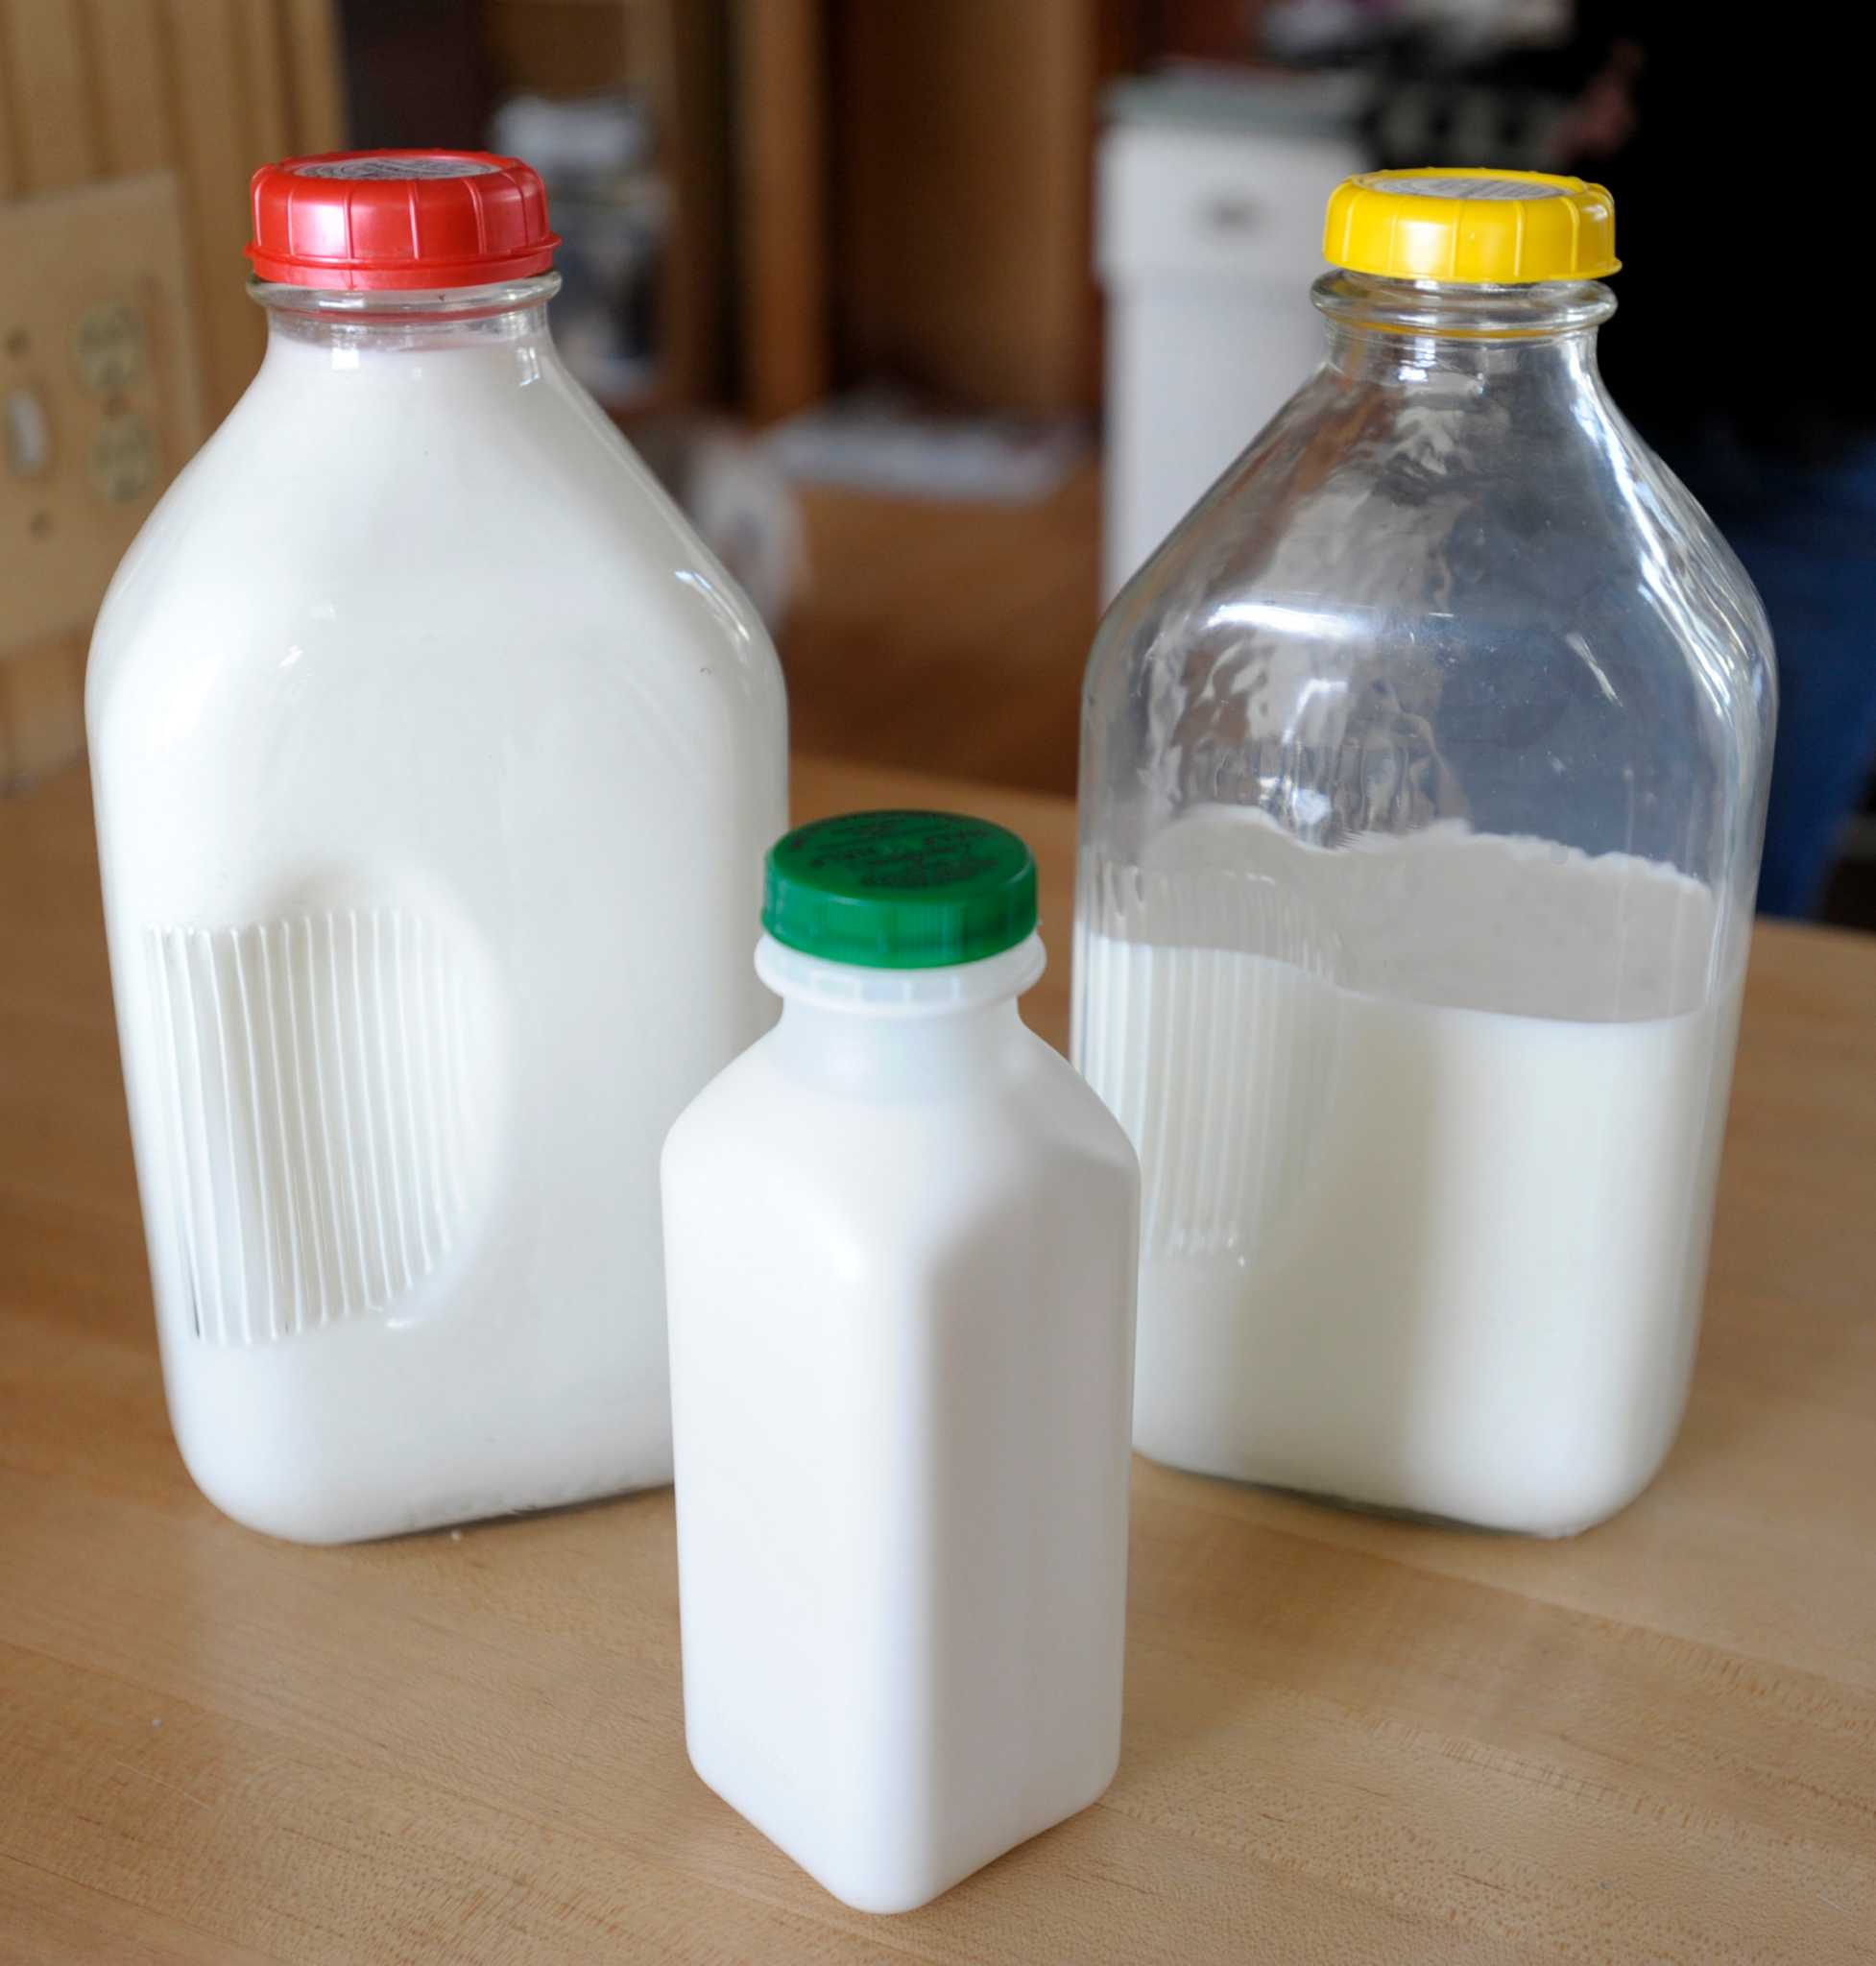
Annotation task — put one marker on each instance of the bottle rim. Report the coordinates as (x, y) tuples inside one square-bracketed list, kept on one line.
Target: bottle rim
[(861, 991), (1474, 311), (366, 306)]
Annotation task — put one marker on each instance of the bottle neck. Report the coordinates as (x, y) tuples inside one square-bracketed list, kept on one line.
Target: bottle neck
[(1411, 333), (896, 1033), (345, 329)]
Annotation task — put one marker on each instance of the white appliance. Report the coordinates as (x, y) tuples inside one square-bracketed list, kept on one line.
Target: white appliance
[(1210, 232)]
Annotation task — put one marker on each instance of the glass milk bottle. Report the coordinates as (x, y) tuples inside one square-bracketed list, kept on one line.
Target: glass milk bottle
[(900, 1236), (1423, 782), (434, 759)]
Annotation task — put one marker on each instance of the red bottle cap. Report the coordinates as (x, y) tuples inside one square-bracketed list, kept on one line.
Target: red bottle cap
[(400, 219)]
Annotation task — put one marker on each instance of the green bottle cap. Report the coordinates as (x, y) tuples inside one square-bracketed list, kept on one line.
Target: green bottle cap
[(899, 890)]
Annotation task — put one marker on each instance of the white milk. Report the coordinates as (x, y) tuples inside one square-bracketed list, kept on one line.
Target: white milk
[(1431, 1238), (434, 763), (902, 1240)]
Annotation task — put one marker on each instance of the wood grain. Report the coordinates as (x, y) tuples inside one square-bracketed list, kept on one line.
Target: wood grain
[(135, 114), (315, 91), (780, 121), (1347, 1740), (41, 708), (964, 162), (947, 637), (262, 49), (92, 90), (116, 241), (56, 127), (207, 84)]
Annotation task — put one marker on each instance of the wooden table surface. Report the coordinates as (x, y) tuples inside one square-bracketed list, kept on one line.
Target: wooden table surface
[(1346, 1739)]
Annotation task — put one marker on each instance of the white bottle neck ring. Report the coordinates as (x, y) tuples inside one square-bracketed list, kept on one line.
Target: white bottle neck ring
[(854, 989)]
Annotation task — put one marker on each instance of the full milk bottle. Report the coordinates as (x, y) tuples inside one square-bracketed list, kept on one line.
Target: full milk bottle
[(434, 760), (1423, 783), (900, 1234)]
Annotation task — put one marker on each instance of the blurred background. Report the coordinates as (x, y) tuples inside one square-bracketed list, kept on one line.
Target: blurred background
[(937, 314)]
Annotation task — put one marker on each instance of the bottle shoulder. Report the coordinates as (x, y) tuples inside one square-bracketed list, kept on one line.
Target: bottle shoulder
[(1030, 1117), (530, 525), (500, 492), (1395, 610), (1073, 1115), (1351, 525)]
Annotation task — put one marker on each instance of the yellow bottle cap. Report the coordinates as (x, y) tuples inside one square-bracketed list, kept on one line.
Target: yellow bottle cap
[(1483, 227)]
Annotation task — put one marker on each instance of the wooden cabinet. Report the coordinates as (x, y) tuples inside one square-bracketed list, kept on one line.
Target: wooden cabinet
[(964, 156)]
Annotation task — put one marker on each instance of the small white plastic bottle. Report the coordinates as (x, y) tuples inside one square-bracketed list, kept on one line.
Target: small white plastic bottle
[(434, 761), (900, 1236)]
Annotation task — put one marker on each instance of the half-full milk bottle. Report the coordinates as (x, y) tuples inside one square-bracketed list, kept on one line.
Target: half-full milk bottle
[(1423, 782), (434, 761)]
